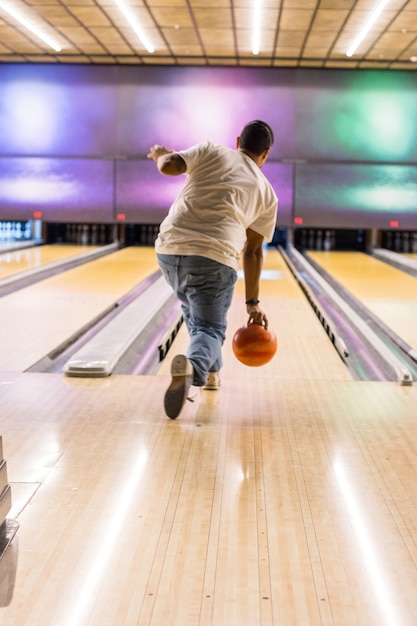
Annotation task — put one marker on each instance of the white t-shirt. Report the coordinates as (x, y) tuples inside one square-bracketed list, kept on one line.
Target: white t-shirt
[(225, 193)]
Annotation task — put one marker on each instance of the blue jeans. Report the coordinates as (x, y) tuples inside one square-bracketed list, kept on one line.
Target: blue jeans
[(205, 289)]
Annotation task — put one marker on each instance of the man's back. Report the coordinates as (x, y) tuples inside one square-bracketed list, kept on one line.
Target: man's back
[(224, 194)]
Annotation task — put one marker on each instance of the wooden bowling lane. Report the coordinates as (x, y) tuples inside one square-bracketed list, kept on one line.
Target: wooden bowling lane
[(304, 349), (387, 292), (270, 502), (37, 319), (17, 261)]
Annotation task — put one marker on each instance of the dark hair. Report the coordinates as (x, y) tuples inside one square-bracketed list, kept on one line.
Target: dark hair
[(256, 137)]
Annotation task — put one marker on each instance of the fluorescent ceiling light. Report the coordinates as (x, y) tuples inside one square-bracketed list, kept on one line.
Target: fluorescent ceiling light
[(381, 6), (134, 24), (256, 26), (33, 29)]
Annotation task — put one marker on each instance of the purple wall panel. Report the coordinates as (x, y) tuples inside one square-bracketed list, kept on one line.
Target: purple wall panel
[(178, 107), (280, 176), (142, 193), (80, 126), (118, 113), (62, 189), (58, 111)]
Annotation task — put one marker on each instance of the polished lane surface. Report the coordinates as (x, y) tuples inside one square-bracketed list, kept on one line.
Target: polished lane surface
[(39, 318), (387, 292), (14, 262), (279, 500)]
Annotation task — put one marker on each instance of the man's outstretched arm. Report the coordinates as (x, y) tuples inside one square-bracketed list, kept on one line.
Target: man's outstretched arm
[(168, 161)]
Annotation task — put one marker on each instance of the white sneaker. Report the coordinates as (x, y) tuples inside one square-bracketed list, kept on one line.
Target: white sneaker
[(182, 377), (213, 381)]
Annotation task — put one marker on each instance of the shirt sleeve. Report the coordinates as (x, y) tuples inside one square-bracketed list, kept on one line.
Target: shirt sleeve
[(266, 222), (193, 154)]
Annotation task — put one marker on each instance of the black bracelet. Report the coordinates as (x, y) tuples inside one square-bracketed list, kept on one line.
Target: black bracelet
[(253, 301)]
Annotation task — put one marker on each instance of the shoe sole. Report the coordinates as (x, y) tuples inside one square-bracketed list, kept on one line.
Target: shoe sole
[(176, 394)]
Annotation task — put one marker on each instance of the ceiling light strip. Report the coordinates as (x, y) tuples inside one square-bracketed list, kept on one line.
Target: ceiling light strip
[(33, 29), (256, 26), (134, 24), (368, 25)]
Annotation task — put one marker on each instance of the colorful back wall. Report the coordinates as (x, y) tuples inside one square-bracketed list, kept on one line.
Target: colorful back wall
[(74, 139)]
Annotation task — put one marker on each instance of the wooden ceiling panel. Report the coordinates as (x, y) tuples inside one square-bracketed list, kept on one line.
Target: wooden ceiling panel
[(92, 49), (290, 62), (24, 46), (219, 44), (317, 39), (340, 5), (315, 53), (291, 39), (173, 6), (181, 36), (243, 18), (244, 41), (300, 4), (77, 35), (81, 3), (56, 15), (288, 53), (329, 20), (214, 4), (172, 17), (213, 18), (380, 54), (296, 19), (301, 33), (407, 39), (188, 51), (357, 19), (411, 50), (38, 3), (90, 16), (142, 16), (406, 20), (168, 4)]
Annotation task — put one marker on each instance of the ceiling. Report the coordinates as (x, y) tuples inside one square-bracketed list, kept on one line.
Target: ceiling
[(295, 33)]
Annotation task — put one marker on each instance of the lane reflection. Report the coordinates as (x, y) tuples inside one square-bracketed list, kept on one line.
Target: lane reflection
[(368, 549), (98, 568)]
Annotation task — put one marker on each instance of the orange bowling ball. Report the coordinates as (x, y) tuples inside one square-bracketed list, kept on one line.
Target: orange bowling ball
[(254, 345)]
